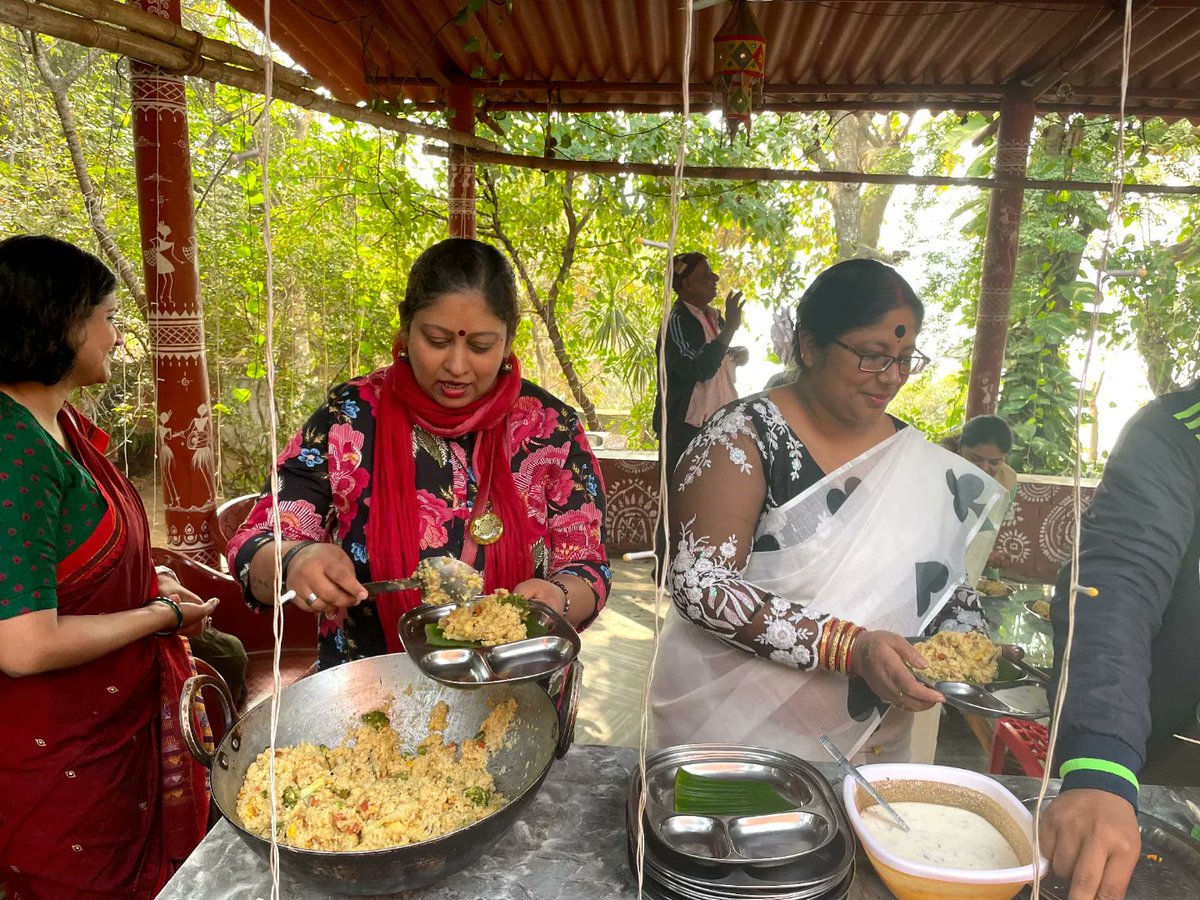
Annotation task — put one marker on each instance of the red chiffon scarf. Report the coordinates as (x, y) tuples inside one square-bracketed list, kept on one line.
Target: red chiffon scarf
[(394, 525)]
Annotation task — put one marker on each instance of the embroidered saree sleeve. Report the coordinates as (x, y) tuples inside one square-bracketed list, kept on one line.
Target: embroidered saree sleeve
[(720, 493)]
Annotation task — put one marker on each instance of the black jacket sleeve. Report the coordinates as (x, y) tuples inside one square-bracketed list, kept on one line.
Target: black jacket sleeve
[(688, 357), (1134, 537)]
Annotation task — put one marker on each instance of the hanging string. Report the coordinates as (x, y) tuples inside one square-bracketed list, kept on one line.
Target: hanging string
[(1074, 588), (272, 441), (663, 475)]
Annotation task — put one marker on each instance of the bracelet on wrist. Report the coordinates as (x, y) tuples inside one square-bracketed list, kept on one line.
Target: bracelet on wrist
[(566, 594), (848, 656), (287, 558), (175, 608), (844, 650), (833, 631)]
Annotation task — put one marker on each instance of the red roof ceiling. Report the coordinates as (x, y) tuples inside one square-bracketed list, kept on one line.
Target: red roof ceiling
[(590, 54)]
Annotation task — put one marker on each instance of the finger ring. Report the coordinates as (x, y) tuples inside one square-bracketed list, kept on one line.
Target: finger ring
[(900, 699), (311, 599)]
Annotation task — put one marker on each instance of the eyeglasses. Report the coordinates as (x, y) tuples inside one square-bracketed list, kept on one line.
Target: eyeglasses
[(878, 363)]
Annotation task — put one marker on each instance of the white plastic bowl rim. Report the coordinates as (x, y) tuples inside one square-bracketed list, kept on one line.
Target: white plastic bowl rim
[(945, 774)]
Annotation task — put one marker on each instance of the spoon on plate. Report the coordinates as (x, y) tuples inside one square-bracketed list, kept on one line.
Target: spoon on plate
[(440, 579), (850, 769)]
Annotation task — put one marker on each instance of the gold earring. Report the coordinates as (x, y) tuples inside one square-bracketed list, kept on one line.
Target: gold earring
[(403, 354), (506, 367)]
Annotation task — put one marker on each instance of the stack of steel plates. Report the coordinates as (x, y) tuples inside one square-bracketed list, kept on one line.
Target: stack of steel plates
[(806, 853)]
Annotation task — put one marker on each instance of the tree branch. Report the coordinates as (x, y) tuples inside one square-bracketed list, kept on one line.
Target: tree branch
[(502, 237), (72, 75), (92, 202)]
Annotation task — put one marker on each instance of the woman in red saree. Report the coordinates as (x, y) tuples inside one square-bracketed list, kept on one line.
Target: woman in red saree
[(98, 798)]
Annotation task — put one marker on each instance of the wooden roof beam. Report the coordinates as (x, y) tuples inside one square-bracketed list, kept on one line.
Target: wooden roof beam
[(1094, 42)]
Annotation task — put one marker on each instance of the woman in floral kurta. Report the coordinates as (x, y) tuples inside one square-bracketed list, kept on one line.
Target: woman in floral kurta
[(329, 474)]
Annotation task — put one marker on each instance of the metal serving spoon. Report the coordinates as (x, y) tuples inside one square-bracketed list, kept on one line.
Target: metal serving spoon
[(440, 579), (850, 769)]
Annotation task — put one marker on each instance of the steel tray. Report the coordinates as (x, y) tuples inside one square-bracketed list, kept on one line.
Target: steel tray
[(805, 844), (465, 667)]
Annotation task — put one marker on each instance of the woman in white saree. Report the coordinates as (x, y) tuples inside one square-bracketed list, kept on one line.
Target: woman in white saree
[(811, 531)]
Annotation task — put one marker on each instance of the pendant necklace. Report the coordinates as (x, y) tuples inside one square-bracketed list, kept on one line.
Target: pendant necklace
[(487, 527)]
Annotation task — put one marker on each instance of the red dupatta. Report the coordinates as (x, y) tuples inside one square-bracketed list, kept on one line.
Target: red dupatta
[(393, 538), (99, 795)]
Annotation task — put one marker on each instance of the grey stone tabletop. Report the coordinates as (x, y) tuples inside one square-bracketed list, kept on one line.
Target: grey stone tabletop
[(568, 845)]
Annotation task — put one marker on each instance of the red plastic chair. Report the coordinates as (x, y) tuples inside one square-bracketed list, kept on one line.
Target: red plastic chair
[(1026, 741)]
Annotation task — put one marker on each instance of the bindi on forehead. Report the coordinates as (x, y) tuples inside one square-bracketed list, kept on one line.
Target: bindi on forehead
[(462, 333), (901, 331)]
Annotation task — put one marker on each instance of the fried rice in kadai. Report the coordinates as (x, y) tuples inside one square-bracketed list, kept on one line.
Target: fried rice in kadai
[(370, 793)]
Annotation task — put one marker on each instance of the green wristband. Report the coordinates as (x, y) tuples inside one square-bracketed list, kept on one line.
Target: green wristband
[(1087, 763), (178, 614)]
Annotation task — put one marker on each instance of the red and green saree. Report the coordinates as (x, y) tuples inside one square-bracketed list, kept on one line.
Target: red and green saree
[(98, 795)]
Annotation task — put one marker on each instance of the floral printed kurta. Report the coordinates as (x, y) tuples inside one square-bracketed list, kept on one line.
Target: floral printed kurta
[(325, 494), (743, 448)]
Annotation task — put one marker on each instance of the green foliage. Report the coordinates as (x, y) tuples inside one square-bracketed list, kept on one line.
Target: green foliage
[(931, 403), (352, 206), (1053, 294)]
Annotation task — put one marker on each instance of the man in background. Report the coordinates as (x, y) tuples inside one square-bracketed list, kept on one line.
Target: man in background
[(696, 355)]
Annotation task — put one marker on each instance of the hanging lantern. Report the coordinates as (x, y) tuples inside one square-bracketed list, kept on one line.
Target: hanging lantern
[(739, 66)]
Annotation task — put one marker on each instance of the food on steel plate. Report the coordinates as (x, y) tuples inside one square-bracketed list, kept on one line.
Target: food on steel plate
[(960, 656)]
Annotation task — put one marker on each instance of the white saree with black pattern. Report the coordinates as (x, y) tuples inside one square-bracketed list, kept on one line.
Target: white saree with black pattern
[(880, 542)]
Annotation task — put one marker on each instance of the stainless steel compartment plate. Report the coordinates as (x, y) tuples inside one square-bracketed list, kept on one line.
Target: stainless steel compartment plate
[(807, 848), (467, 667)]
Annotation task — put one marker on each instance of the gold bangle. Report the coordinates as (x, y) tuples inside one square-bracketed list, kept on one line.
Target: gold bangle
[(839, 652), (823, 642), (831, 647), (844, 648), (850, 647)]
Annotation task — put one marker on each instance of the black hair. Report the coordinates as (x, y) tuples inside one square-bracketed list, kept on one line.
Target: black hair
[(849, 295), (456, 265), (683, 265), (48, 289), (987, 430)]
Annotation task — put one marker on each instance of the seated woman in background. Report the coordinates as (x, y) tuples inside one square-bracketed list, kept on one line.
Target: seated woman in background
[(986, 441), (445, 452), (97, 797), (812, 532)]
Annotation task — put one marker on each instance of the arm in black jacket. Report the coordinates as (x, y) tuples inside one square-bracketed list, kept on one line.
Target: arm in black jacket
[(688, 355), (1134, 537)]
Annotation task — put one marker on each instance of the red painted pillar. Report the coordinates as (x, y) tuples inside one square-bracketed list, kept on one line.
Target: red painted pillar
[(999, 257), (461, 172), (163, 167)]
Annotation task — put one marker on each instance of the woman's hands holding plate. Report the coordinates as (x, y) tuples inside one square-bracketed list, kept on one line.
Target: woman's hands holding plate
[(544, 592), (882, 659)]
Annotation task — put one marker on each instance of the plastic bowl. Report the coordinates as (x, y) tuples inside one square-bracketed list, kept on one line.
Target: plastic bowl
[(911, 880)]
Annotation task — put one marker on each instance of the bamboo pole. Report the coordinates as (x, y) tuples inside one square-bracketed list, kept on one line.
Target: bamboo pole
[(143, 48), (135, 19), (735, 173)]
